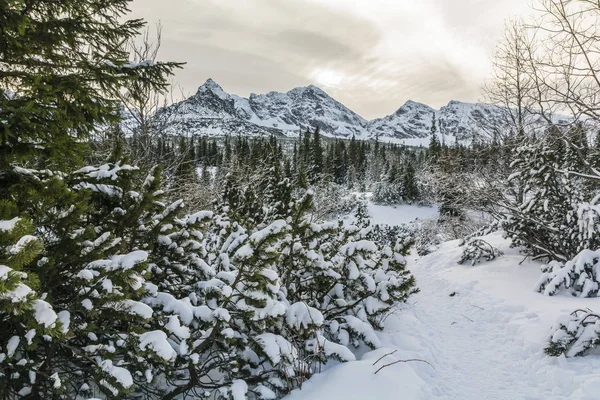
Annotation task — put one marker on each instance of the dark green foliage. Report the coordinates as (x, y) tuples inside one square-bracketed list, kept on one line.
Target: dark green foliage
[(54, 90), (476, 249)]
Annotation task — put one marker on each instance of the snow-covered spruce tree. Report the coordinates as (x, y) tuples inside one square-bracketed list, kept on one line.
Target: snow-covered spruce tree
[(547, 221), (25, 315), (54, 93), (71, 358), (390, 190), (387, 193)]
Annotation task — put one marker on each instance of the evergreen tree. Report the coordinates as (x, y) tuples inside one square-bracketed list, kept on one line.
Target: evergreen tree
[(317, 156), (409, 183), (435, 149), (301, 179), (56, 91)]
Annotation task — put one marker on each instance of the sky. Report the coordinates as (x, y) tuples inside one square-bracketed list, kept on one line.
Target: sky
[(371, 55)]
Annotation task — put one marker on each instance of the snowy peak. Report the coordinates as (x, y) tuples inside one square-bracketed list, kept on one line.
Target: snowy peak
[(214, 88), (209, 85), (214, 112), (412, 105), (412, 120)]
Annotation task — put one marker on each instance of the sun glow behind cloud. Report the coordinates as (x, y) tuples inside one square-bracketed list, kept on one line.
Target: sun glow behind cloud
[(328, 77), (372, 55)]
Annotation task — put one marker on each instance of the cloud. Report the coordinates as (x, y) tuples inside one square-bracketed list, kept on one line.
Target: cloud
[(319, 46), (372, 55)]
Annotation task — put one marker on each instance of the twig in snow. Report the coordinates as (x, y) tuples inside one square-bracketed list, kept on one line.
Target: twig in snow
[(385, 355), (453, 323), (403, 361), (526, 257), (473, 305), (467, 317)]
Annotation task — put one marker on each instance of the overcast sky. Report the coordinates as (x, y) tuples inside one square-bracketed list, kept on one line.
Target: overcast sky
[(372, 55)]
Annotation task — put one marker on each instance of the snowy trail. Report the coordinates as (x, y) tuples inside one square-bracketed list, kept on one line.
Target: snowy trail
[(477, 356), (484, 343)]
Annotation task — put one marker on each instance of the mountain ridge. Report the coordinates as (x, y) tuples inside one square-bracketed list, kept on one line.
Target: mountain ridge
[(212, 111)]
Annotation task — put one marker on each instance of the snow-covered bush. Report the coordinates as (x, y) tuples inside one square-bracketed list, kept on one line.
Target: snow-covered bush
[(476, 249), (575, 334), (387, 193), (332, 201), (427, 237), (485, 230), (351, 280), (580, 276), (395, 235), (430, 233)]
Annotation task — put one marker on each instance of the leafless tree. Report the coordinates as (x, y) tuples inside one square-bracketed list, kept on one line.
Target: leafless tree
[(512, 87), (569, 63)]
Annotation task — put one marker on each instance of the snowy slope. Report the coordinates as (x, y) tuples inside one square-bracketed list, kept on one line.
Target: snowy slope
[(484, 342), (455, 120), (305, 107), (212, 111), (464, 120), (412, 120)]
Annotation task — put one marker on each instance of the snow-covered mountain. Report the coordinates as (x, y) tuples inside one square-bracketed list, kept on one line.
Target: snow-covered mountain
[(214, 112), (412, 120)]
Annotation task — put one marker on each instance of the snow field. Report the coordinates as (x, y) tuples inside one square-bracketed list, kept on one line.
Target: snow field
[(401, 214)]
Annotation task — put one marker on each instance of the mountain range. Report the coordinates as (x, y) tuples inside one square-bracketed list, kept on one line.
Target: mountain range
[(214, 112)]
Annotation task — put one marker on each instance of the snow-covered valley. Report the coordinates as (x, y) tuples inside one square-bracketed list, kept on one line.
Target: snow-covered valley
[(475, 332)]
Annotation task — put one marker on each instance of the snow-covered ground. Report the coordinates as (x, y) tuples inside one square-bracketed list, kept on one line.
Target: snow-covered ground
[(484, 342), (400, 214)]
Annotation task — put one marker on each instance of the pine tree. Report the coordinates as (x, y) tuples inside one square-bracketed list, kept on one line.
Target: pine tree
[(317, 157), (54, 94), (546, 220), (409, 183), (301, 180), (434, 148), (55, 90)]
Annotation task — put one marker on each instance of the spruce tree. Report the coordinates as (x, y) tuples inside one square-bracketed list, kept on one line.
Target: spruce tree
[(409, 183), (59, 85), (317, 157)]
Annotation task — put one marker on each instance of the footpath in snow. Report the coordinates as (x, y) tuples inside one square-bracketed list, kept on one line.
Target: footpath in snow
[(482, 330)]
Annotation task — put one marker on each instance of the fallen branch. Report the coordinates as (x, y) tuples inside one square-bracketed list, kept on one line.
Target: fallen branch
[(403, 361), (385, 355)]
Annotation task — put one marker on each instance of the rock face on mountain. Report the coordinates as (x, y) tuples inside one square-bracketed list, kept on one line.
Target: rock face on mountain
[(412, 120), (214, 112)]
